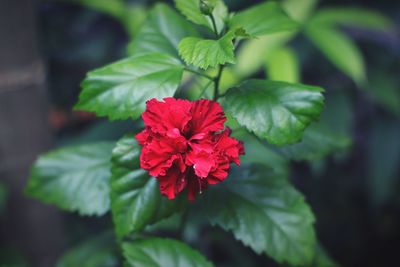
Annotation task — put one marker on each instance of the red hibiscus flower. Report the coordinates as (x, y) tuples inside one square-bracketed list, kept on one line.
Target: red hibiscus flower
[(185, 145)]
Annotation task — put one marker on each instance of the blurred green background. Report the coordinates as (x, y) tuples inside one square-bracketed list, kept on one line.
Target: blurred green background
[(352, 182)]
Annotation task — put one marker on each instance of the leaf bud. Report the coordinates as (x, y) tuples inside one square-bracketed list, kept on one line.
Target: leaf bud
[(205, 8)]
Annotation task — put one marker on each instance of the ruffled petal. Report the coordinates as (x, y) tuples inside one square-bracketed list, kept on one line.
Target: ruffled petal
[(144, 137), (202, 142), (202, 162), (184, 145), (162, 116), (207, 116), (157, 157), (229, 146), (173, 182)]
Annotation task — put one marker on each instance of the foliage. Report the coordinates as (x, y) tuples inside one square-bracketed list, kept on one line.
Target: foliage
[(74, 178), (192, 10), (339, 49), (265, 212), (276, 111), (99, 251), (207, 53), (135, 199), (117, 91), (3, 197), (278, 119), (161, 32), (131, 16), (158, 252), (263, 19)]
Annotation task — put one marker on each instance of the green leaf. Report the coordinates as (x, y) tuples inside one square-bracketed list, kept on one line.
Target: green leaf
[(99, 251), (283, 65), (136, 200), (228, 79), (299, 10), (276, 111), (11, 256), (383, 89), (115, 8), (134, 18), (322, 259), (74, 178), (338, 116), (120, 90), (191, 10), (339, 49), (353, 16), (266, 213), (382, 161), (257, 152), (3, 197), (207, 53), (161, 32), (318, 142), (249, 62), (162, 252), (129, 15), (262, 19)]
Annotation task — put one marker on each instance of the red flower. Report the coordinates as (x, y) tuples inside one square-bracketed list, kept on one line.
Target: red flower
[(185, 144)]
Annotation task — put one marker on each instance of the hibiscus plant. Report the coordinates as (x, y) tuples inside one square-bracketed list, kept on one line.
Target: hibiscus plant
[(198, 118)]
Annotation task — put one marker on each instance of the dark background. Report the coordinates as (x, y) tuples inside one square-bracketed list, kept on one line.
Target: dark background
[(46, 48)]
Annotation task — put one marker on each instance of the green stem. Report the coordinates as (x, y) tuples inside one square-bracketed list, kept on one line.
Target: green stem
[(204, 89), (222, 95), (216, 82), (200, 73), (214, 26)]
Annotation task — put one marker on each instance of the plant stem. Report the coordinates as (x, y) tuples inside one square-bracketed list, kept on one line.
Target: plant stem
[(204, 89), (214, 26), (200, 73), (222, 95), (220, 67), (216, 82)]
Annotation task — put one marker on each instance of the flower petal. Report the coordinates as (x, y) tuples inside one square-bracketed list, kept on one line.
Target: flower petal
[(184, 145), (144, 137), (207, 116), (219, 173), (173, 182), (229, 146), (202, 162), (168, 115), (158, 155)]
